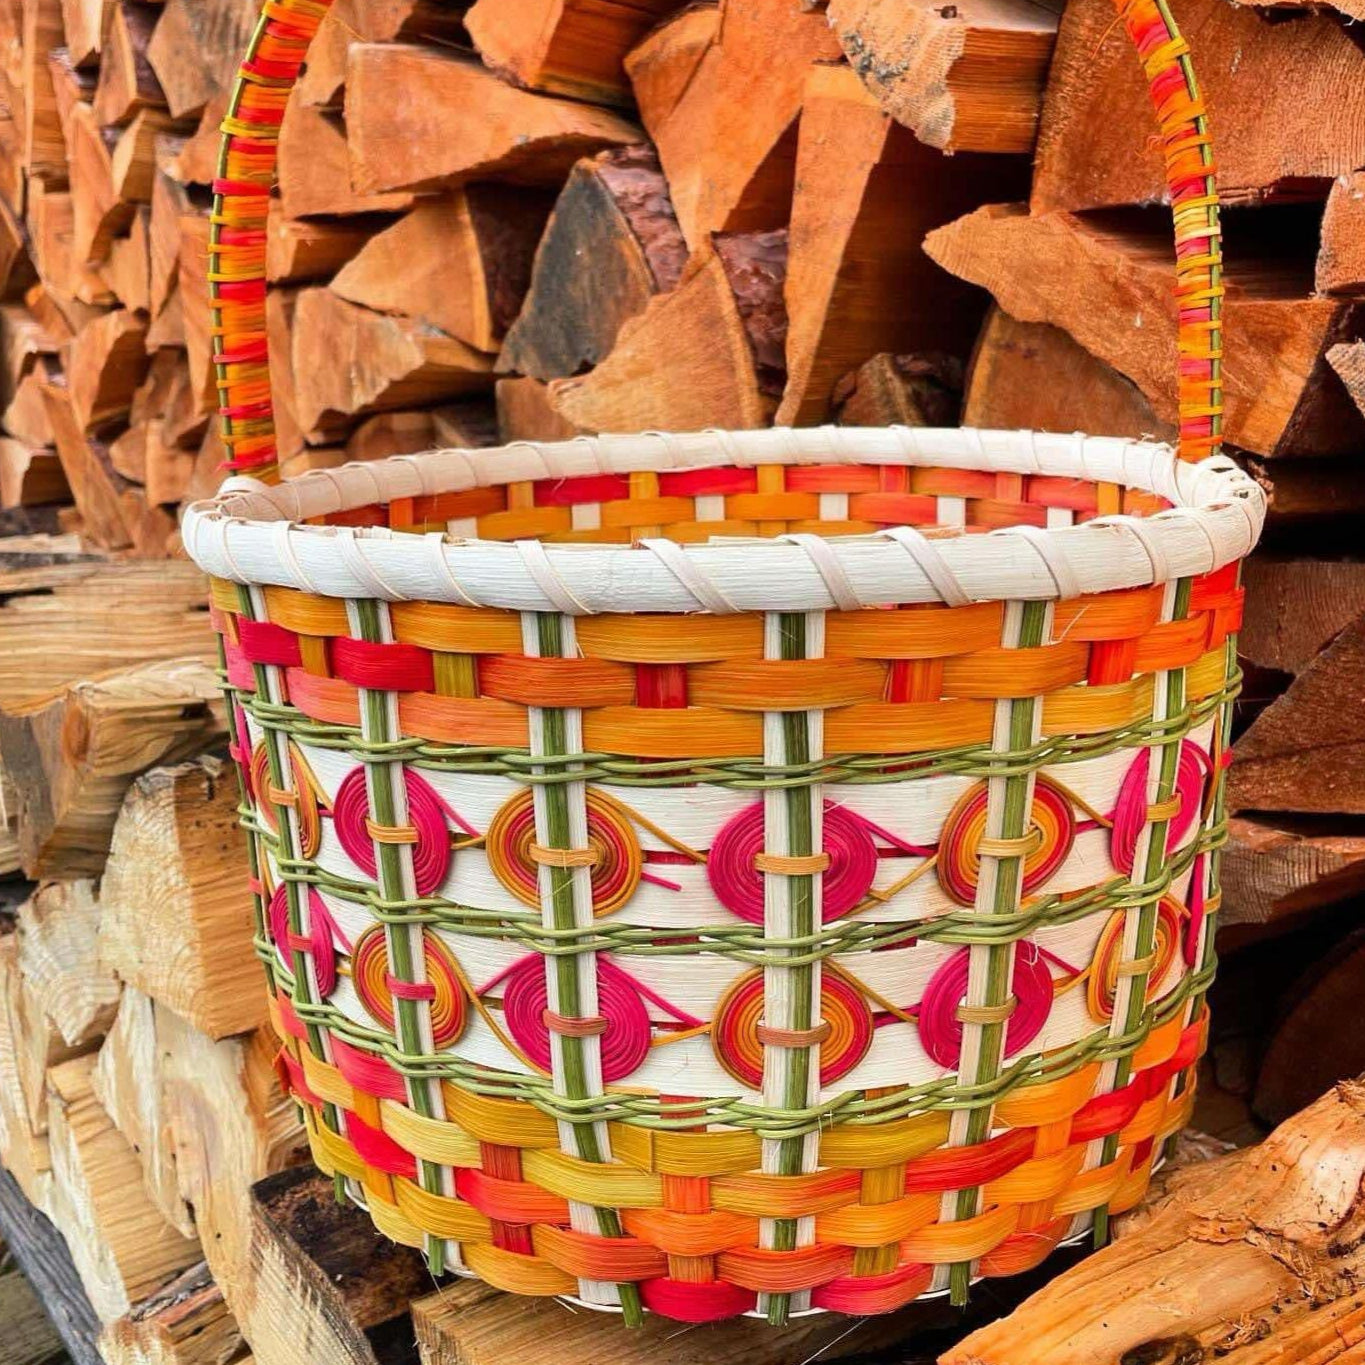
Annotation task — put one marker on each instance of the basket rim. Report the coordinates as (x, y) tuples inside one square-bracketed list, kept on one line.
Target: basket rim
[(255, 534)]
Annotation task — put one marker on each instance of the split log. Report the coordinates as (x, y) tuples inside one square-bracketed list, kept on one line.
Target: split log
[(127, 1082), (176, 909), (302, 250), (350, 361), (132, 163), (460, 425), (1107, 280), (470, 422), (95, 486), (122, 1247), (661, 67), (901, 390), (192, 289), (196, 47), (187, 1322), (1031, 376), (527, 413), (419, 119), (66, 281), (1341, 253), (170, 202), (167, 468), (1251, 1258), (964, 77), (698, 356), (60, 962), (280, 306), (42, 1255), (128, 453), (314, 175), (460, 263), (108, 616), (44, 146), (24, 1149), (104, 364), (1306, 750), (325, 1284), (26, 416), (24, 342), (98, 215), (612, 244), (858, 280), (16, 270), (85, 22), (128, 269), (231, 1125), (1315, 493), (566, 47), (1265, 85), (1347, 358), (30, 476), (727, 142), (1296, 606), (127, 83), (73, 760), (70, 86)]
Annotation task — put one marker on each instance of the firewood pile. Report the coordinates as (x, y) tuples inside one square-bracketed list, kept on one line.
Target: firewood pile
[(542, 218)]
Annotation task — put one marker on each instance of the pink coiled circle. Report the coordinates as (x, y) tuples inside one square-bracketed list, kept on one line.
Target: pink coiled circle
[(426, 814), (738, 884), (321, 940), (624, 1040), (940, 1029), (1130, 811)]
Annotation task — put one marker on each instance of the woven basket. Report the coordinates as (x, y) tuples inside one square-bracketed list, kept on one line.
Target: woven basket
[(685, 886)]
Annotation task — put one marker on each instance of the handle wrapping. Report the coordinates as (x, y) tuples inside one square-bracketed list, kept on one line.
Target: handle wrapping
[(246, 172)]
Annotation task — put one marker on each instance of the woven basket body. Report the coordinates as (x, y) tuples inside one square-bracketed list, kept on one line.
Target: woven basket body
[(685, 885)]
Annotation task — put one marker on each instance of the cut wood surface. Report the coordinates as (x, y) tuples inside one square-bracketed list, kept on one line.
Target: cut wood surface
[(1295, 606), (1107, 281), (964, 77), (612, 243), (187, 1322), (901, 390), (1250, 1259), (1265, 85), (176, 910), (526, 412), (1341, 255), (1276, 867), (419, 119), (196, 47), (24, 1150)]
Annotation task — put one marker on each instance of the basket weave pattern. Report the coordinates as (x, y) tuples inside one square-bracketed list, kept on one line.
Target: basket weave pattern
[(683, 884)]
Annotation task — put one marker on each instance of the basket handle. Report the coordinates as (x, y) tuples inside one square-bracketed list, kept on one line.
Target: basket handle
[(246, 171)]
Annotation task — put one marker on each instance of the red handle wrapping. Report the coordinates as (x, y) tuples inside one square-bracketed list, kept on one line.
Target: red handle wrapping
[(246, 171)]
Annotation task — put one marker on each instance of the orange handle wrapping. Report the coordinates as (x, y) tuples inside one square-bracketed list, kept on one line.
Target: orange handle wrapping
[(246, 171)]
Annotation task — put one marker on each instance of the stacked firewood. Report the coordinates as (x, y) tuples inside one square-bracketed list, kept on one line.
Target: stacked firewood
[(541, 218)]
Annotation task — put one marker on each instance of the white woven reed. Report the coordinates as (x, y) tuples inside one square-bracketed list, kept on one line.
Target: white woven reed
[(250, 533)]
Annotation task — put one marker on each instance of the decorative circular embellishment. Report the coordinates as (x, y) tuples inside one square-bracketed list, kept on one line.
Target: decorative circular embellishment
[(320, 941), (427, 831), (613, 853), (378, 988), (1131, 813), (1052, 831), (1107, 965), (738, 1031), (737, 856), (303, 798), (942, 1009), (622, 1021)]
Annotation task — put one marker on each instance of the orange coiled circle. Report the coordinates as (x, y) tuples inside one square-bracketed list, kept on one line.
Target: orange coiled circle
[(304, 797), (1051, 821), (735, 1037), (377, 987), (617, 861), (1101, 985)]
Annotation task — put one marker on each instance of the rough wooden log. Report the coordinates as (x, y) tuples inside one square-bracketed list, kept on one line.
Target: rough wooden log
[(325, 1284), (26, 416), (419, 119), (1306, 750), (901, 390), (98, 215), (526, 413), (85, 23), (1107, 280), (30, 475), (127, 1083), (104, 364), (566, 47), (44, 146), (612, 243), (122, 1247), (127, 272), (1032, 376), (1264, 85), (858, 281), (460, 263), (133, 161), (406, 433), (1296, 606), (69, 287), (24, 1151), (1341, 253), (187, 1322), (127, 82), (302, 250), (692, 358), (350, 361), (60, 962), (1251, 1258), (73, 759), (193, 291), (964, 77), (95, 486), (43, 1256), (726, 141), (175, 902), (196, 47), (662, 65), (1347, 358)]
